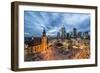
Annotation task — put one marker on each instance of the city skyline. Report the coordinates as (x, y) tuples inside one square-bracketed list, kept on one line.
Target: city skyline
[(35, 22)]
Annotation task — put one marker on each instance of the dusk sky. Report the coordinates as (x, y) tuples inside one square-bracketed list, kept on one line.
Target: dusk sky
[(35, 21)]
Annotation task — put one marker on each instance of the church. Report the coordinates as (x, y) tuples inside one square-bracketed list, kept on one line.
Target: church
[(40, 43)]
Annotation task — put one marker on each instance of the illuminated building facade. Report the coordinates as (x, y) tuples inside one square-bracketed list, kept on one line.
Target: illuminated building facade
[(40, 43)]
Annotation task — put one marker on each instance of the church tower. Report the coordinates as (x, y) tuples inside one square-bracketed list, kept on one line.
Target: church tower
[(44, 41)]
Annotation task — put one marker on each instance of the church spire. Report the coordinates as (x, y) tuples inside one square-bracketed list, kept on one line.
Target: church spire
[(44, 32)]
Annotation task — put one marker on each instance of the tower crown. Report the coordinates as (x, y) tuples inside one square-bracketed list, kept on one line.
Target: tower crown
[(44, 32)]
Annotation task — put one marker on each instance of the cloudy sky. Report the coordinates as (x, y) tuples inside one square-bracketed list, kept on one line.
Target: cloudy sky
[(35, 21)]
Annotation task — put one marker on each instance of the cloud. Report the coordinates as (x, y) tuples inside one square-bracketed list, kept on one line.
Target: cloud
[(53, 31), (74, 19), (35, 22)]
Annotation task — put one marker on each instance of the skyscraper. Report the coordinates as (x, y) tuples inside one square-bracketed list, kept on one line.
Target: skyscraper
[(63, 32), (79, 34), (74, 32), (67, 35), (86, 35), (58, 35)]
